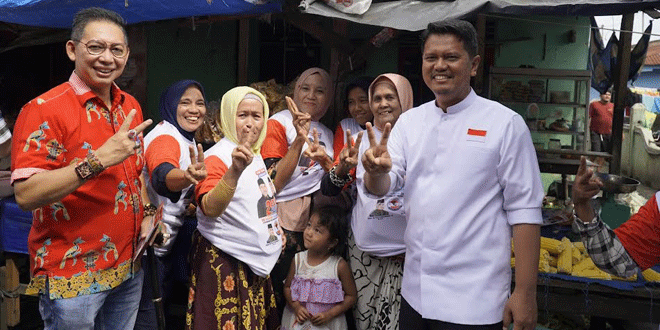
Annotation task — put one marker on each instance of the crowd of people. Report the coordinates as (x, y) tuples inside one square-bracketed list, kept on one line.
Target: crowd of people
[(278, 222), (402, 218)]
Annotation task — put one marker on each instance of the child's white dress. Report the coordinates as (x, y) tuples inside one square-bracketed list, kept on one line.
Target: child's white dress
[(318, 289)]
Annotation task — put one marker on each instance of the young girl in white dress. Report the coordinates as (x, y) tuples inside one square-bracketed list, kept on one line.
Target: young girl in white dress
[(320, 285)]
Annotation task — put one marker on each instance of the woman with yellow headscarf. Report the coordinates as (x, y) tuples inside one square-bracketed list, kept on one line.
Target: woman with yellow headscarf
[(238, 239)]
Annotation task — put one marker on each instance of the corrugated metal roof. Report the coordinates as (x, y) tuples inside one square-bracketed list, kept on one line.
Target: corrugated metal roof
[(653, 53), (414, 15)]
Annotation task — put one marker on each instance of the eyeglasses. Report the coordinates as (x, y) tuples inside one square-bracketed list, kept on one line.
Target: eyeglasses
[(96, 47)]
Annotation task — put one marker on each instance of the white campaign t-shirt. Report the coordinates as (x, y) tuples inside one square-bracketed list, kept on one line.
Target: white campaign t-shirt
[(306, 178), (378, 223), (248, 229), (172, 139)]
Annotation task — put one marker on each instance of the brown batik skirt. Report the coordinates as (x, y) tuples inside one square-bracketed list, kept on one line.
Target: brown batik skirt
[(225, 294)]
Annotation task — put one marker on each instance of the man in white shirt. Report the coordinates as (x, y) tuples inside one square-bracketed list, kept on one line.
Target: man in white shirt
[(472, 184)]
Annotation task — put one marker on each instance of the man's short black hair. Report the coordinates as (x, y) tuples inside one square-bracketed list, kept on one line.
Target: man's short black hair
[(462, 30), (95, 14)]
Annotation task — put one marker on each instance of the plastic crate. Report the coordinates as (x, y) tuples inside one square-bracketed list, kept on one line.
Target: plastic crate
[(14, 226)]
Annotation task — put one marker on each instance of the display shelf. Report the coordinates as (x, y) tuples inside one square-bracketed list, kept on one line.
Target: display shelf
[(568, 105), (544, 97), (556, 132)]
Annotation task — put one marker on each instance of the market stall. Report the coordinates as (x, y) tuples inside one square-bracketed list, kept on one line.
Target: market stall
[(569, 283)]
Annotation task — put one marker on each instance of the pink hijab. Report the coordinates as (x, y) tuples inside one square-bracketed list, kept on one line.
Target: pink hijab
[(327, 84), (401, 85)]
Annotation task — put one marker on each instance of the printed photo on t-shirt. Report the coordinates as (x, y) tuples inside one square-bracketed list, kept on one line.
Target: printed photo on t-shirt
[(267, 208), (271, 234), (266, 204), (380, 211)]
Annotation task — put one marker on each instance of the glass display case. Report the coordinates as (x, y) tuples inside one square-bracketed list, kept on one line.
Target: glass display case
[(554, 103)]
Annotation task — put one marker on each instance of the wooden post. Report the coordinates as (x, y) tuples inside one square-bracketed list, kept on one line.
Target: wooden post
[(12, 306), (621, 89), (481, 49), (134, 78), (340, 27), (243, 48), (3, 307)]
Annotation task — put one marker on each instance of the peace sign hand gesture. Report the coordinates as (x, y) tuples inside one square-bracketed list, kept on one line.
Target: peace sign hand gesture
[(348, 157), (301, 120), (314, 149), (376, 160), (242, 156), (197, 170), (122, 144)]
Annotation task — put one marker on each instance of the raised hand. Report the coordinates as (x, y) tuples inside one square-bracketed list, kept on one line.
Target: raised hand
[(197, 170), (376, 159), (586, 185), (122, 144), (242, 155), (314, 149), (348, 157), (301, 120)]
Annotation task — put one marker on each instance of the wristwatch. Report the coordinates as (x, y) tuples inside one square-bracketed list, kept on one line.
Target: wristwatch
[(84, 170), (150, 209), (89, 167)]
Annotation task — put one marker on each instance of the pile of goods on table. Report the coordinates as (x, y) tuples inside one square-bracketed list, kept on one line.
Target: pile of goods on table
[(571, 258)]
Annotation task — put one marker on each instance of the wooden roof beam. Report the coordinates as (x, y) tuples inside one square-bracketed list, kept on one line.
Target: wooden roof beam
[(621, 89), (653, 12), (326, 36)]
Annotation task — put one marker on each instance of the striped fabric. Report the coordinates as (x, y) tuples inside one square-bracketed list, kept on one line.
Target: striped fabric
[(604, 248), (5, 134)]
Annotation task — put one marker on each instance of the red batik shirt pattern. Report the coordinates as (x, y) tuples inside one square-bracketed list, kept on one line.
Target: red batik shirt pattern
[(84, 243)]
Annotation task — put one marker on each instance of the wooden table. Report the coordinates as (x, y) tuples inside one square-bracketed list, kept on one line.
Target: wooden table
[(581, 298), (564, 166)]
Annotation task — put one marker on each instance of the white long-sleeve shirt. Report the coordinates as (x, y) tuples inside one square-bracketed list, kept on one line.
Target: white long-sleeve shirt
[(470, 174)]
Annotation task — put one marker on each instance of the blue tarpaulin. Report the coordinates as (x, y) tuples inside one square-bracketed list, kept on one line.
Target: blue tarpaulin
[(59, 13)]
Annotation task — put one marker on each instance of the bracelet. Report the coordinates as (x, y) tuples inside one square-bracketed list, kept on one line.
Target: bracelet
[(95, 163), (336, 180), (150, 210), (222, 192)]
